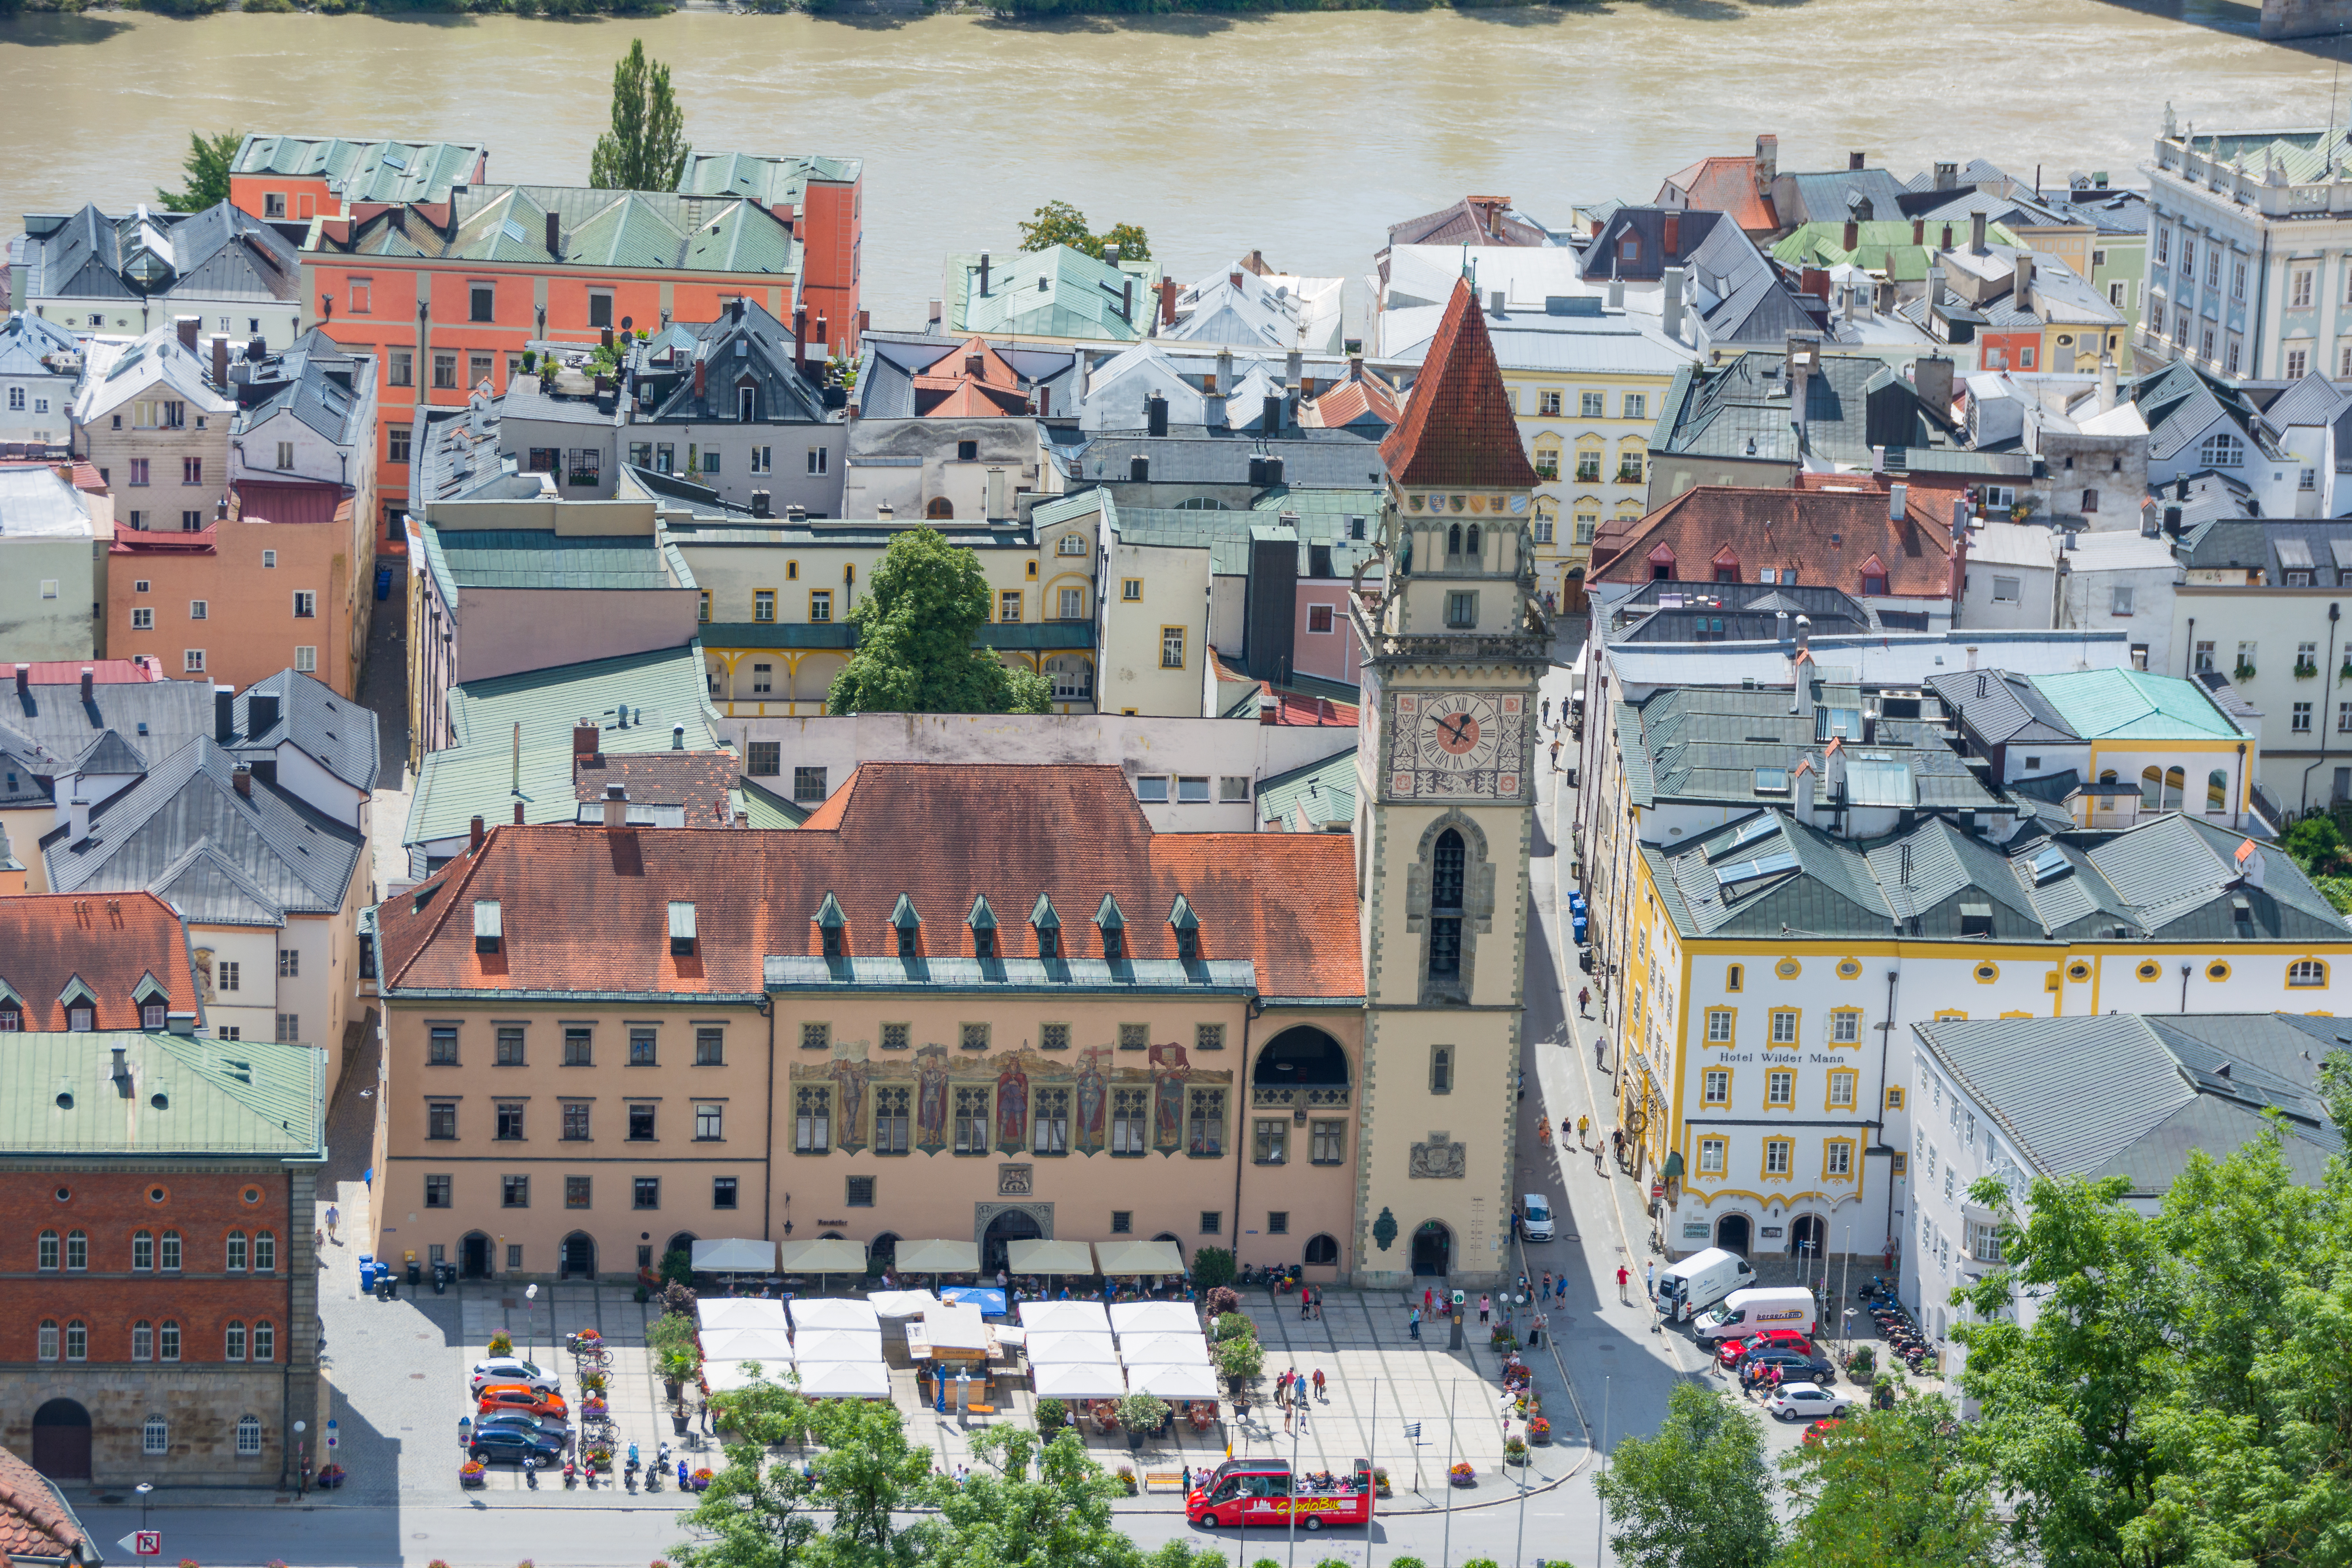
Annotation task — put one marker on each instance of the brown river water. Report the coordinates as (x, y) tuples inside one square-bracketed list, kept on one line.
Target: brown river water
[(1303, 135)]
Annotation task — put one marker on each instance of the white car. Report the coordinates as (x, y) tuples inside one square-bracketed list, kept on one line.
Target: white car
[(512, 1369), (1805, 1402)]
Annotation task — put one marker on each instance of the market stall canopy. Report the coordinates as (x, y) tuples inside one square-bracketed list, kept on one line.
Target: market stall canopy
[(987, 1297), (1164, 1350), (750, 1313), (1078, 1380), (1083, 1317), (901, 1303), (834, 1312), (1031, 1256), (846, 1380), (725, 1375), (956, 1328), (1171, 1382), (768, 1344), (938, 1258), (1154, 1318), (734, 1257), (1126, 1258), (822, 1255), (837, 1344), (1058, 1344)]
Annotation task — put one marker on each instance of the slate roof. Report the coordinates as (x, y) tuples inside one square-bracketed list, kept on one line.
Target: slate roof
[(1997, 708), (37, 1525), (338, 734), (220, 1098), (1705, 744), (613, 230), (1323, 792), (1812, 198), (1823, 537), (300, 859), (51, 726), (222, 252), (26, 339), (1280, 906), (1465, 222), (893, 360), (753, 348), (1680, 612), (315, 379), (365, 171), (1458, 428), (1080, 296), (1215, 455), (112, 945), (1852, 402), (2121, 1094)]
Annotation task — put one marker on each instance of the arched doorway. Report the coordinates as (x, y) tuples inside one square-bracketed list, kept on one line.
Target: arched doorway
[(1322, 1252), (1432, 1251), (1169, 1237), (1731, 1234), (474, 1257), (1011, 1226), (578, 1256), (1808, 1234), (882, 1252), (682, 1242), (61, 1441)]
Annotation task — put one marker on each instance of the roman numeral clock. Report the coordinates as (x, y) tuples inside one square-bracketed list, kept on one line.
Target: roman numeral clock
[(1455, 744)]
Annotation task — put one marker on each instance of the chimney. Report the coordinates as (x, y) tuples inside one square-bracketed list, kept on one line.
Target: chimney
[(1271, 416), (240, 778), (1168, 301), (617, 806), (474, 834), (260, 713), (2172, 521), (1139, 470), (583, 740), (224, 711), (77, 813), (1804, 634), (799, 342), (1673, 240), (1948, 176), (1959, 517), (554, 234), (975, 364), (1834, 769), (1495, 302), (1768, 160), (1354, 367), (1931, 383), (1878, 461), (1898, 498), (1044, 402), (1110, 256), (1234, 279), (1946, 246), (1616, 293), (1804, 782), (821, 334), (1127, 301), (1781, 625), (936, 309), (88, 683), (1294, 369), (1976, 233), (884, 512), (983, 275), (1269, 711), (1852, 161), (1671, 317), (121, 1073), (700, 380), (187, 327), (24, 681), (762, 500), (1853, 234), (220, 362), (517, 814), (678, 737), (2021, 287), (1920, 231), (2106, 382)]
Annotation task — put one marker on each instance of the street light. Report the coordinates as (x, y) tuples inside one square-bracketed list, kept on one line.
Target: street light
[(301, 1460), (143, 1488)]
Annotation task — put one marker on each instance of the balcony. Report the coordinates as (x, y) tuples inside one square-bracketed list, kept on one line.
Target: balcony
[(1277, 1097)]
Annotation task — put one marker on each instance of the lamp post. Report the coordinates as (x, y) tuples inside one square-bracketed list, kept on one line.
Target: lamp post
[(143, 1488), (301, 1460)]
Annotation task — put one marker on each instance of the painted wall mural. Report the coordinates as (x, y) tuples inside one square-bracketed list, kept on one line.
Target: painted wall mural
[(945, 1100)]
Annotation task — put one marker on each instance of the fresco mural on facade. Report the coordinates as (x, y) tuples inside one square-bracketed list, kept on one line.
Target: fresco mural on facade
[(959, 1097)]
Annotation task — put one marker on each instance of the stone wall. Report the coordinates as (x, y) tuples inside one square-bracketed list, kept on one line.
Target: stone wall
[(2305, 18), (202, 1406)]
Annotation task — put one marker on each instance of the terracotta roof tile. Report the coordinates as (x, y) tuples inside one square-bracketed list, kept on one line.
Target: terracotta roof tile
[(35, 1521), (111, 941), (1726, 186), (585, 910), (697, 779), (1458, 428), (1784, 530)]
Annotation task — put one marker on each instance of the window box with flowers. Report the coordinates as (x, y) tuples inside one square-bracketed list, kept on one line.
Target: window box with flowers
[(2305, 670), (2242, 673)]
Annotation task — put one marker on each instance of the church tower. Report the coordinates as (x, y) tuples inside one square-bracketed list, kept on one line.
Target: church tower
[(1446, 765)]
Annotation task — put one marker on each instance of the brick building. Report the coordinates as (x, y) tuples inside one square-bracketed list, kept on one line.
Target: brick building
[(158, 1294)]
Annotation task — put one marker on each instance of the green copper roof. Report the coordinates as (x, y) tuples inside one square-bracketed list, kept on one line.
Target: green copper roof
[(1057, 293), (1882, 244), (765, 808), (57, 1095), (1326, 790), (541, 558), (2130, 705)]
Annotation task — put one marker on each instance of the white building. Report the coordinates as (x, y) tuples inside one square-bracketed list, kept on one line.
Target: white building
[(53, 541), (40, 368), (126, 276), (2011, 580), (2117, 581)]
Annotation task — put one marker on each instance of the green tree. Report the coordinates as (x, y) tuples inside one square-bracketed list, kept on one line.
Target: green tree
[(923, 606), (645, 149), (1697, 1495), (2316, 845), (764, 1511), (207, 165), (1050, 1507), (1885, 1487), (1059, 223), (756, 1514)]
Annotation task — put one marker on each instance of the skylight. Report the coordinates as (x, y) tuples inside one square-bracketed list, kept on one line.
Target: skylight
[(513, 231), (1763, 824), (2050, 865), (1771, 781), (392, 158), (1741, 876)]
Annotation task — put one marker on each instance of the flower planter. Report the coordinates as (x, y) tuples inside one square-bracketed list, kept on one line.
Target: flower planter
[(1541, 1439), (1465, 1482), (669, 1389), (328, 1478), (472, 1475), (677, 1423)]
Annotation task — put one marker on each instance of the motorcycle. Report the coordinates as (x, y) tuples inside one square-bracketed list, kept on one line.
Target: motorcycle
[(530, 1472), (590, 1469), (629, 1476), (571, 1474)]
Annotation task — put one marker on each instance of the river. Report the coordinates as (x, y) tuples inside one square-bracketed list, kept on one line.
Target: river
[(1300, 134)]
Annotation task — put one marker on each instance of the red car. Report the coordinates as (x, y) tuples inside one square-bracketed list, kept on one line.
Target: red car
[(505, 1396), (1730, 1351)]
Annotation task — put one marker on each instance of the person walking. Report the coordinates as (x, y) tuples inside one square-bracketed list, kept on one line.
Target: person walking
[(335, 1218), (1555, 756), (1546, 713), (1650, 1279), (1305, 1301), (1584, 1001), (1413, 1323), (1617, 1143), (1623, 1274), (1428, 1300), (1583, 1130), (1485, 1307), (1545, 1289)]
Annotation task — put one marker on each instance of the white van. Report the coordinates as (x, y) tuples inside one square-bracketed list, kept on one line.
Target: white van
[(1534, 1217), (1767, 1306), (1700, 1281)]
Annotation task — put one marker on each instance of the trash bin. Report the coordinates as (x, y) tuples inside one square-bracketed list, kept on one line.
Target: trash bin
[(390, 1281), (367, 1276), (415, 1274), (383, 583)]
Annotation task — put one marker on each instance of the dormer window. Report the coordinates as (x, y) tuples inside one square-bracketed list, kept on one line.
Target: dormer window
[(682, 929), (830, 922), (81, 1018), (1187, 927), (489, 926), (1727, 565), (150, 1017), (1048, 927), (982, 921), (745, 404), (1874, 576), (908, 925), (1113, 926)]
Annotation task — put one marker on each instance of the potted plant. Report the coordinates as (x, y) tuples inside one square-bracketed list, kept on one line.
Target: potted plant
[(1234, 1326), (1539, 1432), (594, 1404), (472, 1472), (1127, 1479), (330, 1476), (1240, 1360), (1380, 1480), (595, 1382), (1142, 1414), (1462, 1474), (1861, 1362), (2242, 673), (1052, 1417), (701, 1480), (1515, 1451), (677, 1420), (502, 1343)]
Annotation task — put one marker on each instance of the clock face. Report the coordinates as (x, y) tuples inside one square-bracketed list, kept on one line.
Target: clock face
[(1457, 744)]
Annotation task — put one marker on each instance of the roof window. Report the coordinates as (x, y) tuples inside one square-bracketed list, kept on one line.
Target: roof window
[(489, 928), (681, 928)]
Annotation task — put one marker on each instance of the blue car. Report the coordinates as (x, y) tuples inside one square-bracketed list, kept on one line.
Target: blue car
[(509, 1443)]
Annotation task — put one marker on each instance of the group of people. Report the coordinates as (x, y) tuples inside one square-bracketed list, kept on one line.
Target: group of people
[(1310, 1305), (1290, 1392)]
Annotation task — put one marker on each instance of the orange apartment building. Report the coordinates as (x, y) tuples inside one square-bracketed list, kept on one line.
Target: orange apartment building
[(410, 255)]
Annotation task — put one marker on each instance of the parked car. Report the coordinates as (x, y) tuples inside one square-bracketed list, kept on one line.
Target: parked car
[(1795, 1365), (500, 1396), (1730, 1351), (546, 1426), (505, 1369), (493, 1444), (1801, 1401)]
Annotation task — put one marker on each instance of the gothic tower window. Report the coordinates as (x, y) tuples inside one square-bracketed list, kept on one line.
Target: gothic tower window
[(1453, 540), (1472, 546), (1445, 906)]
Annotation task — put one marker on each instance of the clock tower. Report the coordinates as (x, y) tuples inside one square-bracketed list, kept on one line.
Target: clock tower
[(1445, 764)]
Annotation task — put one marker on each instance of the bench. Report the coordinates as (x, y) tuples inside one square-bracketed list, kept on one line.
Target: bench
[(1163, 1480), (976, 1408)]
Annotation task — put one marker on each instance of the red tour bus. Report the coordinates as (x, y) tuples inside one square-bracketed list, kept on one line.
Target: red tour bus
[(1258, 1493)]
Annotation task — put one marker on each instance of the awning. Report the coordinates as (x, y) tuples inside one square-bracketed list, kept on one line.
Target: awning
[(1060, 1345), (1169, 1349), (955, 1327), (987, 1297), (837, 1344), (1125, 1258), (901, 1303), (938, 1258), (1049, 1258), (845, 1380), (749, 1313), (769, 1344), (2341, 549), (1078, 1380), (1084, 1317), (1172, 1382), (735, 1256), (722, 1376), (833, 1313), (821, 1257), (1153, 1318)]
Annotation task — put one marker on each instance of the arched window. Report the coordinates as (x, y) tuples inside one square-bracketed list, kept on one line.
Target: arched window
[(1446, 867), (170, 1262), (1071, 544), (155, 1437), (2217, 792), (2306, 972), (77, 1249), (236, 1252), (2221, 451), (1453, 540), (265, 1251), (48, 1249), (1322, 1251), (143, 1341), (2151, 787), (77, 1340), (143, 1249), (1471, 546), (265, 1340), (47, 1349), (235, 1348), (168, 1347), (940, 507), (248, 1436), (2176, 789)]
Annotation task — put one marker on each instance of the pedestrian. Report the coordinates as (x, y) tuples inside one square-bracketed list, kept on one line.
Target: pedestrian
[(319, 1238), (1650, 1279), (1319, 1387), (1598, 1169), (1000, 1279), (1601, 1055), (1555, 756), (702, 1409), (1428, 1299), (1188, 1480), (1623, 1274), (1617, 1143), (1545, 1289), (1305, 1301), (1413, 1323), (1547, 711), (335, 1218), (1302, 1415), (1583, 1126), (1523, 1284), (1318, 1309), (1287, 1414), (1584, 1001), (1515, 1222), (1484, 1307)]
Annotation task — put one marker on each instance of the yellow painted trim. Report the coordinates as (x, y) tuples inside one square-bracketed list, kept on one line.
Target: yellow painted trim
[(2149, 970), (1789, 968), (2078, 971), (792, 571), (813, 595), (2218, 970), (1977, 972), (1706, 1076), (1849, 968), (1895, 1096), (1181, 632), (1853, 1076), (2326, 972), (2017, 1012), (1838, 1013), (1943, 1014), (770, 618), (1764, 1168), (1850, 1146), (1774, 1078), (1796, 1017), (1731, 1035), (1734, 976)]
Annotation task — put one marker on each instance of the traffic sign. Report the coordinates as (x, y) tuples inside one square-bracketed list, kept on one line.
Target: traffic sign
[(143, 1543)]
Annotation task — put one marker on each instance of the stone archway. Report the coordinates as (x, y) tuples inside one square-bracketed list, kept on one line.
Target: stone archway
[(1009, 1225), (577, 1257), (1432, 1250), (1732, 1234), (61, 1440)]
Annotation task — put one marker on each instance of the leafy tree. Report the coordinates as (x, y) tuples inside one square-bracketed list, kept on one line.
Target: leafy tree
[(1057, 1517), (1697, 1495), (762, 1511), (1059, 223), (1888, 1487), (207, 165), (2316, 845), (645, 149), (1213, 1269), (923, 606)]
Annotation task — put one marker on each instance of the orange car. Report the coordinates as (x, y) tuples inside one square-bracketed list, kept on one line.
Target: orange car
[(500, 1396)]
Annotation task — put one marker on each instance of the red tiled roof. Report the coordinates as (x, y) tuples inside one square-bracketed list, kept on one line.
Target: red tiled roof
[(34, 1522), (80, 474), (1290, 707), (951, 389), (103, 671), (1458, 428), (110, 940), (1724, 185), (586, 910), (276, 501), (1786, 528), (697, 779), (1351, 400)]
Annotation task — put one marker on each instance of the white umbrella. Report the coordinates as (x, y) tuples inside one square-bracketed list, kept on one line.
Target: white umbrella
[(1129, 1258), (936, 1257), (1154, 1318), (1057, 1344), (1170, 1382), (846, 1380), (734, 1257), (726, 1376), (955, 1327), (1164, 1350), (1039, 1257), (1086, 1316), (902, 1303), (835, 1312), (1078, 1380), (837, 1344), (739, 1314), (821, 1257), (769, 1344)]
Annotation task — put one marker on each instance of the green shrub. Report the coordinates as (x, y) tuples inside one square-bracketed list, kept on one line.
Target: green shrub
[(677, 1267), (1240, 1357), (1235, 1326), (1142, 1411), (1052, 1417), (1213, 1267)]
